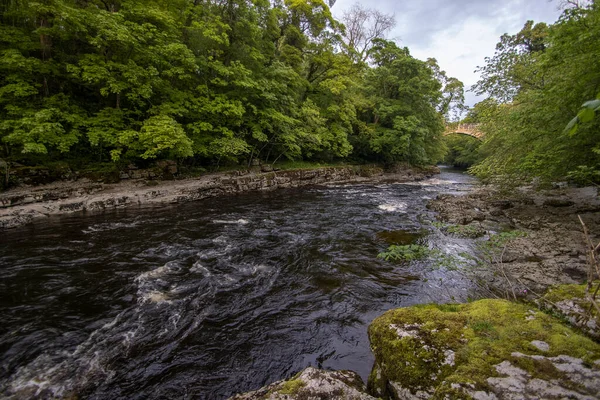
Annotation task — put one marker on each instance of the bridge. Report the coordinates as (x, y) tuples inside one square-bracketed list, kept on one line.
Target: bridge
[(464, 129)]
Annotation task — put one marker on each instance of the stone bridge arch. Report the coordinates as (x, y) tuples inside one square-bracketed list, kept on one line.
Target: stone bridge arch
[(464, 129)]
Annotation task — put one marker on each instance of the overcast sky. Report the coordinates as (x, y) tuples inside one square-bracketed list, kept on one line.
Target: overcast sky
[(458, 33)]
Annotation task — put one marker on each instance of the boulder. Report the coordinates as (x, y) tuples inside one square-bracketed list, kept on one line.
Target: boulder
[(489, 349), (312, 384)]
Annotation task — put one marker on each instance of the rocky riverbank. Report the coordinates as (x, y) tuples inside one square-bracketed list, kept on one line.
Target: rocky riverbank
[(22, 205), (489, 349), (550, 248), (485, 350)]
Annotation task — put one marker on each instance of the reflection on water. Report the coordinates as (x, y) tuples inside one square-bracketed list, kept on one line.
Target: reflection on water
[(206, 299)]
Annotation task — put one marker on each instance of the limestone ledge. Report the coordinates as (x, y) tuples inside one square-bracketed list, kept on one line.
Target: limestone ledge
[(22, 205), (311, 384), (488, 349), (19, 207)]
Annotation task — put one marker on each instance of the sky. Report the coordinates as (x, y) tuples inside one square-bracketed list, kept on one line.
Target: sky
[(458, 33)]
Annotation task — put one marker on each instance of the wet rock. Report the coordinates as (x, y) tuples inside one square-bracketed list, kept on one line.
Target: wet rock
[(544, 256), (502, 204), (489, 349), (470, 231), (558, 203), (314, 384)]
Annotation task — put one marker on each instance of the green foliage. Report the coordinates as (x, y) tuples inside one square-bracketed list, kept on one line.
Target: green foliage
[(466, 231), (403, 124), (209, 82), (584, 175), (406, 253), (463, 150), (537, 82)]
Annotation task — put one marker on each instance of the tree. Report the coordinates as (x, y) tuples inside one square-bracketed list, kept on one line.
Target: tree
[(452, 102), (513, 66), (362, 27), (527, 137), (403, 121)]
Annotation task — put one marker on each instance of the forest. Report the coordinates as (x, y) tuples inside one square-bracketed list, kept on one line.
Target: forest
[(209, 82), (218, 82)]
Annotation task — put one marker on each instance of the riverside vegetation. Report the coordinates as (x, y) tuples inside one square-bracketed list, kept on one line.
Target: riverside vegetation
[(210, 83), (227, 82)]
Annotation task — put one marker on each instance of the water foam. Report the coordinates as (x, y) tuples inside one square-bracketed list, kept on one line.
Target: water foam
[(393, 207), (198, 268), (226, 222)]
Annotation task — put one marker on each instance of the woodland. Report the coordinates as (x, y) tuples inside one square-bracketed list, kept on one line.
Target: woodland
[(226, 82)]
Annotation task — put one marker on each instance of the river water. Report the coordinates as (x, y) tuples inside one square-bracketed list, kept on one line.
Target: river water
[(207, 299)]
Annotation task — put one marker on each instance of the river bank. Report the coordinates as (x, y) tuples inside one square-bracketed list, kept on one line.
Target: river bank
[(550, 247), (20, 206), (489, 349)]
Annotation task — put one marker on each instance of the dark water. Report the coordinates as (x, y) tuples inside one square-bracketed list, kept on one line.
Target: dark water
[(211, 298)]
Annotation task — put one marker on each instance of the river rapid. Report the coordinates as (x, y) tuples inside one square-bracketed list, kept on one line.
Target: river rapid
[(207, 299)]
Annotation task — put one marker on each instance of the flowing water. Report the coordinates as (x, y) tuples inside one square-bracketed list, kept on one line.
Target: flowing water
[(207, 299)]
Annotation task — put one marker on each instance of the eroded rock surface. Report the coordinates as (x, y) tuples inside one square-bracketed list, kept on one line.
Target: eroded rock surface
[(20, 206), (553, 249), (489, 349), (313, 384)]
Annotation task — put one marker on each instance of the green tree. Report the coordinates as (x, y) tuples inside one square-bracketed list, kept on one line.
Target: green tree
[(526, 137)]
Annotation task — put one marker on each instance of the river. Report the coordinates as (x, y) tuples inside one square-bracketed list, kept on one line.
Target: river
[(207, 299)]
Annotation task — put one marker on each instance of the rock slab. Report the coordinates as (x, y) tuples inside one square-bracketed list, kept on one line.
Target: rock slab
[(489, 349), (313, 384)]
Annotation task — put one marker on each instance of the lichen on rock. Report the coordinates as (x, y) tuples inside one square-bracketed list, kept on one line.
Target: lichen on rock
[(313, 384), (489, 349)]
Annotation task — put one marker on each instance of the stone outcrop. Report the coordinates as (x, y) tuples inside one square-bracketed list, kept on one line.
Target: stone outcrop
[(313, 384), (489, 349), (552, 249), (22, 205)]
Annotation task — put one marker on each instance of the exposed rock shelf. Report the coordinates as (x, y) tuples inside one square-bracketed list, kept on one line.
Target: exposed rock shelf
[(489, 349), (313, 383), (22, 205), (553, 248)]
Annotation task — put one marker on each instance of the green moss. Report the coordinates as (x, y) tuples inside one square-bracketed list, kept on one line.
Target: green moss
[(412, 344), (291, 387), (377, 383), (565, 292), (578, 310), (466, 231)]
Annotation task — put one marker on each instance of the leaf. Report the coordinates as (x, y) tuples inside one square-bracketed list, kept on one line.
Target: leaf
[(572, 127), (586, 115), (592, 104)]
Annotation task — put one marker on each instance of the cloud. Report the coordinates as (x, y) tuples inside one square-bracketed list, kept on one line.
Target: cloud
[(459, 33)]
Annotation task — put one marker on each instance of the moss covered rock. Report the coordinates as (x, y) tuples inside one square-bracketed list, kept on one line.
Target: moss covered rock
[(571, 303), (314, 384), (489, 349)]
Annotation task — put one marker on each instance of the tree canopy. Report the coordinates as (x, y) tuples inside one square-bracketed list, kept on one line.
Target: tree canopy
[(211, 81), (537, 82)]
